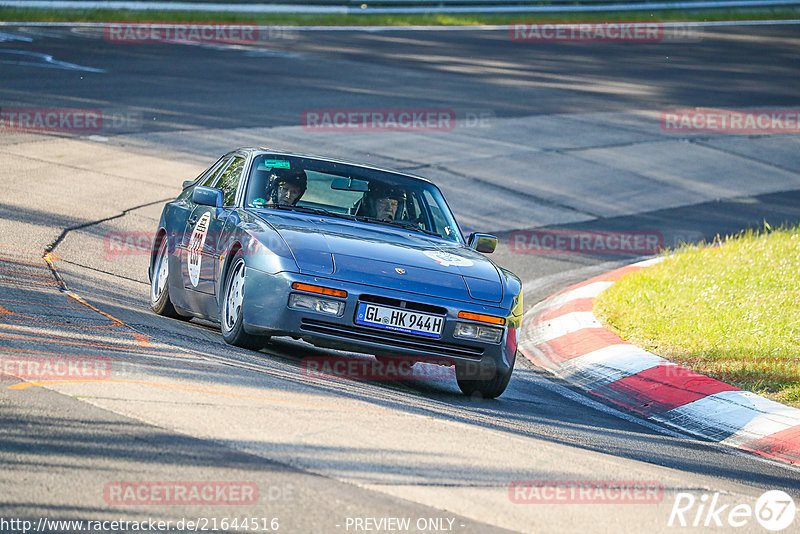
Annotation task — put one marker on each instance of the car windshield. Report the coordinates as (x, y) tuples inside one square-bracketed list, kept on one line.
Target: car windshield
[(348, 191)]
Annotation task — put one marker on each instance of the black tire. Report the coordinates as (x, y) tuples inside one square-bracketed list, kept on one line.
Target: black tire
[(490, 385), (159, 296), (230, 313)]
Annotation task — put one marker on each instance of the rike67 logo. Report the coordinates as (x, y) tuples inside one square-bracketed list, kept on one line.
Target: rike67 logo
[(774, 510)]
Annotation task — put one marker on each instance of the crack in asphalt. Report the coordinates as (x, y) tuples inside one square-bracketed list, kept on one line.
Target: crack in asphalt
[(568, 150), (49, 249)]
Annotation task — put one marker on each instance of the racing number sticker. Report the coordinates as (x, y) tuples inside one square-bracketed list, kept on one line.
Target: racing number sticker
[(447, 259), (196, 243)]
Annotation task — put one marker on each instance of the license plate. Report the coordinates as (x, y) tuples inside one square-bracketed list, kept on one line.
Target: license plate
[(400, 320)]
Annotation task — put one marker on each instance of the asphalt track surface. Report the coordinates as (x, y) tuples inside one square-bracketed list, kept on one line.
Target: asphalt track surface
[(570, 141)]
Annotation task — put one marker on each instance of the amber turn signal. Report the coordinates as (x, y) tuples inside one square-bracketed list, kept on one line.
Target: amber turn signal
[(320, 290), (482, 318)]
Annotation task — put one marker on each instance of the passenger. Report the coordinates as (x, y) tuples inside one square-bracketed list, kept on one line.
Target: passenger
[(383, 202)]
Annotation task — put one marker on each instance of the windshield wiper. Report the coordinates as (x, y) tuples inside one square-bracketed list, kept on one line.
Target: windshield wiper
[(407, 225), (413, 226), (292, 207), (306, 209)]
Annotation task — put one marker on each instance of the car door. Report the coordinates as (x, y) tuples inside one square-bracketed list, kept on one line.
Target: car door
[(203, 233), (183, 206)]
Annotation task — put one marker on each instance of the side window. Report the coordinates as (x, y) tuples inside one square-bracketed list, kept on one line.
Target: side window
[(229, 180), (208, 181), (440, 223), (206, 178)]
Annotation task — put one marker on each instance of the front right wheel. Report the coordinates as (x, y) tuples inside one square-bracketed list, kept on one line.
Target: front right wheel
[(489, 384)]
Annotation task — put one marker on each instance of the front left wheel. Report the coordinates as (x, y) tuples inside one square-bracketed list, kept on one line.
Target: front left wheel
[(231, 305)]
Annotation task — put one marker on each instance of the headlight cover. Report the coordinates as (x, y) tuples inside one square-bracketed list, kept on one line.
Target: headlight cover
[(313, 303), (489, 334)]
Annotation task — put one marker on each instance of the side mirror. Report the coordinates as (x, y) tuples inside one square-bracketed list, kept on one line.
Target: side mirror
[(207, 196), (483, 243)]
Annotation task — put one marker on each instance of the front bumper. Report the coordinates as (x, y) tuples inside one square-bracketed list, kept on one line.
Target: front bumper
[(266, 312)]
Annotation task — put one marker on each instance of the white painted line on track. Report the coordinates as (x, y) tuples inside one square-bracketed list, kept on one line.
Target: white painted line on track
[(11, 37), (44, 61)]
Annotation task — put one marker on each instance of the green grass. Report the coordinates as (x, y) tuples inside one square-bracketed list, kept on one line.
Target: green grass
[(730, 311), (106, 15)]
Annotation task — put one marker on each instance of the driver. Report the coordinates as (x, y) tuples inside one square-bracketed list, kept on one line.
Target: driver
[(383, 202), (286, 186)]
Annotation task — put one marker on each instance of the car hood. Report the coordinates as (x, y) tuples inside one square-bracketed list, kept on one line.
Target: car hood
[(386, 257)]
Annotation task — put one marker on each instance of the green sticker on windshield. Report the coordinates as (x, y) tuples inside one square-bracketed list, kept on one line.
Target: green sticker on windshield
[(258, 202), (274, 164)]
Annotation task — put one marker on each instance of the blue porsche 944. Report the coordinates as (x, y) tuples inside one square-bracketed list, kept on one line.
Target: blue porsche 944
[(341, 255)]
